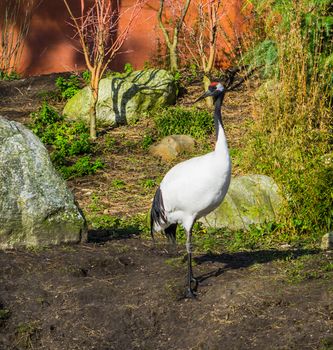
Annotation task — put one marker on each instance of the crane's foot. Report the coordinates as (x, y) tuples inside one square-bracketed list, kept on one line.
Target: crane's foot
[(190, 294), (191, 290), (195, 281)]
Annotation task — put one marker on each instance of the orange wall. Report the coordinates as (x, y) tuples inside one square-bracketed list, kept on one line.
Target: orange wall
[(50, 46)]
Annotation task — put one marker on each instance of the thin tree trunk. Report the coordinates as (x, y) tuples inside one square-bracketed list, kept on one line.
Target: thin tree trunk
[(173, 58), (206, 82), (92, 114)]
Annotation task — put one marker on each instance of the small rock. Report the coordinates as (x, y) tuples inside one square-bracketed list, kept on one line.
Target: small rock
[(327, 241), (285, 246), (171, 146)]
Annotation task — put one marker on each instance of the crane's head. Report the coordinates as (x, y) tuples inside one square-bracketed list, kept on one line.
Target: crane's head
[(215, 89)]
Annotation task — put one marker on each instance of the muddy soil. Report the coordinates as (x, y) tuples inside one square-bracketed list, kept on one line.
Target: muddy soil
[(126, 293)]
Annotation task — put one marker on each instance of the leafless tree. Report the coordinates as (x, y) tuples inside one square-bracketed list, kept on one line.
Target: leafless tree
[(178, 11), (101, 37), (200, 38)]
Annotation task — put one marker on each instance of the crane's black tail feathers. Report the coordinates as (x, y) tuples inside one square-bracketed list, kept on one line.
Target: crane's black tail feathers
[(157, 212), (158, 218), (170, 232)]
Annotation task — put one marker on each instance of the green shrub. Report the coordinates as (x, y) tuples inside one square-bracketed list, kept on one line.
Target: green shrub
[(45, 116), (128, 68), (68, 140), (264, 55), (9, 76), (68, 87), (188, 121), (83, 166), (86, 76), (147, 141)]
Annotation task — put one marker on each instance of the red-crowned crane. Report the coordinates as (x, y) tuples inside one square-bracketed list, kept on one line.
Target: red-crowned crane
[(195, 187)]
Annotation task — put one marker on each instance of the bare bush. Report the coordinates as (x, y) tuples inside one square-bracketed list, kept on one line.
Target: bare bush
[(15, 21), (209, 33)]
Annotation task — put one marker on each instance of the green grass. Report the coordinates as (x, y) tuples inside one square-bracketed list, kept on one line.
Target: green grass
[(4, 314), (149, 184), (68, 87), (118, 184), (205, 240), (26, 334), (307, 267), (147, 141), (109, 144), (117, 227), (186, 121)]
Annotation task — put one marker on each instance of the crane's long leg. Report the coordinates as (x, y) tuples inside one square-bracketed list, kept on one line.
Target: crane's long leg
[(190, 278)]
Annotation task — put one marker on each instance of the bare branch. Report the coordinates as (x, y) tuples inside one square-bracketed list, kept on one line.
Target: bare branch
[(160, 22), (80, 32), (172, 44), (180, 21)]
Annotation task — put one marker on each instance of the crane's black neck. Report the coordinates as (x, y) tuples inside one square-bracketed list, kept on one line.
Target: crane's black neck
[(217, 113)]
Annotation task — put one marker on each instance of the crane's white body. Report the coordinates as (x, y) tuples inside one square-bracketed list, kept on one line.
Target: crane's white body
[(197, 186)]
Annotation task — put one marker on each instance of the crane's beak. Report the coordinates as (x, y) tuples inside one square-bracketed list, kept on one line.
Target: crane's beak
[(206, 94)]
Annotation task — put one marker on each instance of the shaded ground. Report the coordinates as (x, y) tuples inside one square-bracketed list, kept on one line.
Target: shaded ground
[(128, 294)]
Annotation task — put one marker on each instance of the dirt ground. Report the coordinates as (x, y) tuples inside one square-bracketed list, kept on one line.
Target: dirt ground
[(126, 293)]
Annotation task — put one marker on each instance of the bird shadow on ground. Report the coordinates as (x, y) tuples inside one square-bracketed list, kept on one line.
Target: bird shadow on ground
[(246, 259)]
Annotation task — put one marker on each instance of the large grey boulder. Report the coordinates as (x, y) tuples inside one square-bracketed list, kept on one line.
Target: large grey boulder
[(251, 199), (36, 207), (123, 99)]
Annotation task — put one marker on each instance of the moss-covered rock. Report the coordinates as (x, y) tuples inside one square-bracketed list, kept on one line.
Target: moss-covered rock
[(123, 99), (251, 199), (36, 207)]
